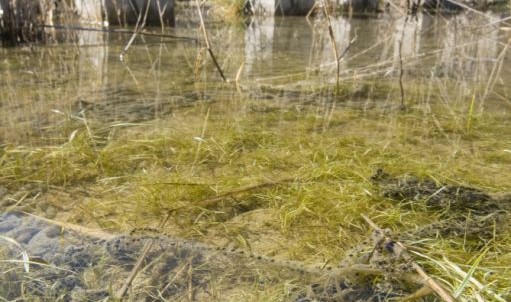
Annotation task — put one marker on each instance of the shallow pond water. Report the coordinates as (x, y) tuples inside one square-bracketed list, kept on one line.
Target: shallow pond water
[(278, 159), (466, 54)]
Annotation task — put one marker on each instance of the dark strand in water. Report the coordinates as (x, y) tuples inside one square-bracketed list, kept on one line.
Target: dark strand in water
[(119, 31)]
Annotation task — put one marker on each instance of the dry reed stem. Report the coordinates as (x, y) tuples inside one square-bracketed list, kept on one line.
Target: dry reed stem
[(210, 201), (37, 262), (334, 45), (420, 293), (206, 40), (238, 76), (138, 28), (399, 249), (396, 7), (138, 265), (307, 17), (495, 72), (401, 70), (95, 233)]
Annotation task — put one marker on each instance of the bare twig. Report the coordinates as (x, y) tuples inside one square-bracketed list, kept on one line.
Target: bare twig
[(76, 228), (401, 70), (399, 249), (396, 7), (345, 51), (210, 201), (495, 72), (420, 293), (138, 28), (314, 6), (138, 265), (206, 40), (334, 45), (238, 76)]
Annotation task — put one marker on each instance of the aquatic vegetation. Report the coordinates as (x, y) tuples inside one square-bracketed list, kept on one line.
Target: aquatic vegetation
[(303, 172), (278, 164)]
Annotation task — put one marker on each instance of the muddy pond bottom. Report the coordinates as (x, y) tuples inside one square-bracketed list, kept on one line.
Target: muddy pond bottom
[(57, 264), (59, 261)]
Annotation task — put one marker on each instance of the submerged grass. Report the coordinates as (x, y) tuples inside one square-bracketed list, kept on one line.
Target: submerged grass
[(278, 169), (288, 181)]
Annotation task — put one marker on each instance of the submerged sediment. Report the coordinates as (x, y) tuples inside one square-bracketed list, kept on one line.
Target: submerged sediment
[(64, 264), (47, 259)]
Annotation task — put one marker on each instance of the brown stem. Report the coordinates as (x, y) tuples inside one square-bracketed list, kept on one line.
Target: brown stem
[(334, 45), (206, 40), (138, 265), (399, 249)]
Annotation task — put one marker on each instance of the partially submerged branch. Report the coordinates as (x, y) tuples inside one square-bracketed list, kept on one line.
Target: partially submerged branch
[(206, 40), (334, 45), (398, 249), (140, 261), (138, 28)]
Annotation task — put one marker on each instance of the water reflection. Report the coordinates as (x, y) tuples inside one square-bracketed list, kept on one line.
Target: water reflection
[(259, 42), (162, 74), (93, 61), (472, 50), (89, 11), (443, 43), (407, 38)]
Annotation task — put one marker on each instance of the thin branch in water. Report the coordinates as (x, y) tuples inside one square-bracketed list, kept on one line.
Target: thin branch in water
[(401, 70), (206, 40), (495, 71), (345, 51), (238, 76), (200, 139), (399, 249), (313, 8), (211, 201), (396, 7), (94, 233), (138, 265), (138, 28), (334, 45)]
